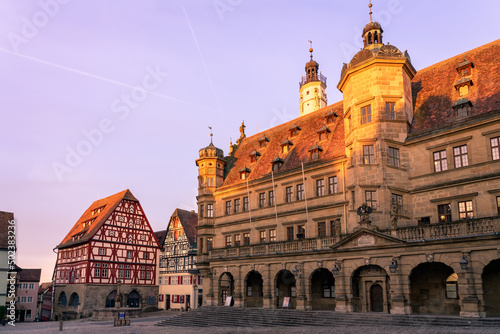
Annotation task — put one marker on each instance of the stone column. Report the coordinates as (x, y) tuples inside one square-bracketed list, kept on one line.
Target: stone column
[(341, 291), (299, 281), (398, 300), (238, 288), (267, 287), (210, 296), (469, 303)]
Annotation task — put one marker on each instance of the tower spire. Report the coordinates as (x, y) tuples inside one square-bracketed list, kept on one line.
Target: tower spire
[(370, 6), (211, 134), (311, 49)]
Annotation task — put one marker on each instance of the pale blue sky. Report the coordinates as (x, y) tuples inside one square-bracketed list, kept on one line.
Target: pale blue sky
[(69, 68)]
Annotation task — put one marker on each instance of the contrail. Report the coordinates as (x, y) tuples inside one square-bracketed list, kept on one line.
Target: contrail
[(97, 77)]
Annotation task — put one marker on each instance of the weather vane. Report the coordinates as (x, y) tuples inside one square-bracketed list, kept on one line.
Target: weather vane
[(311, 48), (370, 6), (210, 134)]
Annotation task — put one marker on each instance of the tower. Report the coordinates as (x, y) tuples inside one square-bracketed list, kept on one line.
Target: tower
[(378, 111), (312, 88)]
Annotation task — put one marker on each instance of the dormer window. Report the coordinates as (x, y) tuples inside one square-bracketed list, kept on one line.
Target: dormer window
[(244, 172), (323, 133), (463, 86), (277, 163), (98, 210), (285, 146), (315, 151), (465, 68), (331, 117), (462, 108), (263, 141), (294, 130), (254, 156)]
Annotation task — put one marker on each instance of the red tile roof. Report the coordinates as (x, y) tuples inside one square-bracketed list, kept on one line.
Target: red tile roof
[(30, 275), (189, 221), (434, 93), (5, 218), (299, 152), (109, 204)]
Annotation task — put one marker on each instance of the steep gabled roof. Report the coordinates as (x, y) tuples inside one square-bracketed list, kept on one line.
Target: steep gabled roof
[(160, 236), (309, 124), (108, 205), (5, 218), (189, 222), (434, 93), (30, 275)]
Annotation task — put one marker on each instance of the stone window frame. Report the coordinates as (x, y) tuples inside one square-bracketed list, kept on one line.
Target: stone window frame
[(237, 205), (465, 210), (438, 159), (368, 117), (334, 184), (371, 157), (300, 193), (272, 235), (321, 229), (489, 136), (229, 207), (289, 194), (262, 199), (461, 157), (320, 187), (449, 148), (369, 195), (448, 217), (394, 160)]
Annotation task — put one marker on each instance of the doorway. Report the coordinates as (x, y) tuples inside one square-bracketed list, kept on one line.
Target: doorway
[(376, 298)]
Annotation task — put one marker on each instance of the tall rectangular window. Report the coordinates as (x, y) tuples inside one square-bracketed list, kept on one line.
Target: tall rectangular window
[(228, 207), (371, 199), (262, 237), (237, 240), (102, 251), (332, 227), (228, 241), (237, 205), (495, 151), (262, 200), (460, 155), (246, 239), (210, 243), (465, 210), (398, 201), (366, 114), (289, 233), (332, 185), (321, 229), (320, 187), (444, 213), (440, 162), (300, 192), (97, 270), (289, 194), (393, 156), (390, 110), (202, 207), (271, 198), (368, 154), (245, 203), (498, 205), (129, 254), (301, 230), (210, 210), (272, 235)]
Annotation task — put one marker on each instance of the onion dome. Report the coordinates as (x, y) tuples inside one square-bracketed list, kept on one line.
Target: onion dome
[(211, 151)]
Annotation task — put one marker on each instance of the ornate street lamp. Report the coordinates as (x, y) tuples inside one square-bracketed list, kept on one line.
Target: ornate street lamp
[(336, 269), (393, 266), (464, 264)]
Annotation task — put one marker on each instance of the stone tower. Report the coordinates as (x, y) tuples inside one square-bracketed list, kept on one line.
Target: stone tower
[(378, 111), (312, 88)]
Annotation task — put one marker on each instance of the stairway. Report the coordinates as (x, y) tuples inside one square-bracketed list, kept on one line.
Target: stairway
[(256, 317)]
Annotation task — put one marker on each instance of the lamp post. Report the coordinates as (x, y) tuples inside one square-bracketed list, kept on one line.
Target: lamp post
[(336, 269), (393, 266), (464, 264)]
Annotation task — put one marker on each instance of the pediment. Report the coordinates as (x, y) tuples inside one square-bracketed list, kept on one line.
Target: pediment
[(364, 238)]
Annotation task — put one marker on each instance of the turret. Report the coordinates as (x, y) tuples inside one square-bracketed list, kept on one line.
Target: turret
[(312, 88)]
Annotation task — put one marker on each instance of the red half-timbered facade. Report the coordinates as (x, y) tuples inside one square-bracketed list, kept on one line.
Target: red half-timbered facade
[(112, 242)]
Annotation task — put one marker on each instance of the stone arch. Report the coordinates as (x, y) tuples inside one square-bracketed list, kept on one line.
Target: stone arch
[(434, 289), (226, 287), (62, 299), (322, 289), (363, 280), (254, 289), (286, 288), (74, 300), (110, 299), (491, 288), (134, 299)]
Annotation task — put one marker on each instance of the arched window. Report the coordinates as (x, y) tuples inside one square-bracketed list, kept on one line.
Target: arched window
[(133, 299), (74, 300), (62, 299), (110, 300), (375, 37), (452, 286), (370, 38)]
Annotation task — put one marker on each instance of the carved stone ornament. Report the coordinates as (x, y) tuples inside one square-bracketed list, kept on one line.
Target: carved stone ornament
[(430, 258), (361, 56), (366, 240), (367, 262), (389, 51)]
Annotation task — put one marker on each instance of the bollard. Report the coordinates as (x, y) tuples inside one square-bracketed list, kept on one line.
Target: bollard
[(60, 325)]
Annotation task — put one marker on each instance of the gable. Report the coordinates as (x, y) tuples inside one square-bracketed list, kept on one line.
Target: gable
[(366, 238)]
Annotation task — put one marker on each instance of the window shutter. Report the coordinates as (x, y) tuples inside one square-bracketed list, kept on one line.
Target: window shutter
[(169, 280), (191, 280)]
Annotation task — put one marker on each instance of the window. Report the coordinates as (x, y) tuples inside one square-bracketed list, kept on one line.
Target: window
[(210, 210), (301, 231), (393, 156), (498, 205), (142, 274), (129, 254), (127, 271), (271, 197), (228, 241), (31, 286), (276, 167), (314, 154), (209, 243), (202, 207), (284, 149), (237, 205), (371, 199), (145, 255), (440, 162), (390, 110), (237, 240), (120, 271), (102, 251), (30, 299), (366, 114), (262, 200), (444, 213), (210, 182), (289, 194), (328, 290), (104, 270), (465, 210), (289, 233), (28, 311), (246, 239), (368, 154), (321, 229), (262, 237), (332, 227), (320, 187), (97, 270), (300, 192), (495, 152), (228, 207), (332, 185), (452, 286), (245, 203), (460, 154), (272, 235), (398, 201)]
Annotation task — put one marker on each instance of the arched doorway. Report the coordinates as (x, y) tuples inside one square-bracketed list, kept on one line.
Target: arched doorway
[(370, 287), (226, 287), (322, 290), (74, 300), (434, 289), (286, 288), (253, 289), (62, 300), (134, 299), (491, 288), (110, 299)]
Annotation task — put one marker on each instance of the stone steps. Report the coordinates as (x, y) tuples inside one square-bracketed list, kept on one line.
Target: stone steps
[(257, 317)]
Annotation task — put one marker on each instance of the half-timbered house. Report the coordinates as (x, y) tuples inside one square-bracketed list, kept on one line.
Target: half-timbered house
[(111, 248), (179, 280)]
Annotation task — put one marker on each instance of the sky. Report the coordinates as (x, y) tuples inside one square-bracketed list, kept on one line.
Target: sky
[(101, 96)]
